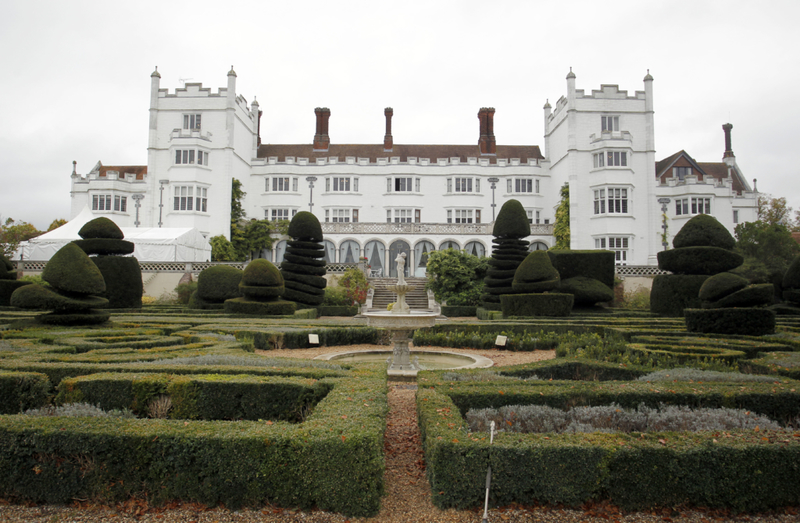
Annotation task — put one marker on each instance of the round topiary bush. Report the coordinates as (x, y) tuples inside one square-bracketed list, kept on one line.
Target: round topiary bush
[(305, 226), (672, 293), (71, 270), (101, 228), (219, 283), (8, 281), (123, 277), (698, 260), (535, 274), (721, 285), (512, 221), (704, 231), (262, 284), (587, 291), (751, 296)]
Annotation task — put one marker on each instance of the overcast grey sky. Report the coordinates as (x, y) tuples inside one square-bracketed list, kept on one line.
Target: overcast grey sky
[(76, 76)]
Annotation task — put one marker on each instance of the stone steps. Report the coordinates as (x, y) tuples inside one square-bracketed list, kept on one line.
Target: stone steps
[(416, 298)]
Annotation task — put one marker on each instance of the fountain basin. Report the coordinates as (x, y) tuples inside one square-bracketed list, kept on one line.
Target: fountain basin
[(430, 360)]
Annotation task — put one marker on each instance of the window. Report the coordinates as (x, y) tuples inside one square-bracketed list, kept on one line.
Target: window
[(339, 184), (537, 217), (278, 214), (280, 183), (529, 212), (701, 205), (610, 159), (615, 203), (201, 201), (183, 198), (698, 206), (187, 157), (101, 202), (341, 215), (681, 172), (400, 184), (617, 244), (191, 121), (121, 203), (537, 186), (736, 216), (402, 215), (609, 123), (462, 185), (523, 185), (294, 184)]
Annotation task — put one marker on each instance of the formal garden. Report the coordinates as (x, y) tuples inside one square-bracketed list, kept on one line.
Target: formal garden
[(692, 399)]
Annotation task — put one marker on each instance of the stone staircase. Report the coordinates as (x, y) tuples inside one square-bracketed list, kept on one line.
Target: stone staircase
[(416, 298)]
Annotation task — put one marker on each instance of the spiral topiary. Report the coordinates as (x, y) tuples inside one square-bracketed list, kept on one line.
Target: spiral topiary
[(534, 279), (303, 267), (508, 252)]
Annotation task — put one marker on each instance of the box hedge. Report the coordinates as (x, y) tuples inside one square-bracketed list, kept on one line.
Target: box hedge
[(547, 304), (20, 391), (598, 265), (750, 321)]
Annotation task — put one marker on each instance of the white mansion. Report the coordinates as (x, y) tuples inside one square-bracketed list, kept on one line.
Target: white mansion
[(375, 200)]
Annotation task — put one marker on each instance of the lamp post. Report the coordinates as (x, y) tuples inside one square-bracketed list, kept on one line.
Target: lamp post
[(311, 180), (161, 201), (493, 181), (664, 202), (138, 199)]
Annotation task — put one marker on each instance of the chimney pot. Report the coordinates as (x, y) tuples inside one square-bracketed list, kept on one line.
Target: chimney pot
[(728, 150), (388, 142), (487, 142)]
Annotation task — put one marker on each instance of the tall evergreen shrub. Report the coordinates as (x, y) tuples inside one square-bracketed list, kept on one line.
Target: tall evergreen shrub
[(304, 263), (508, 252)]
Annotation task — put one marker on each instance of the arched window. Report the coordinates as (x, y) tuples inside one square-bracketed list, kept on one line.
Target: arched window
[(395, 249), (538, 246), (449, 244), (349, 252), (330, 251), (280, 250), (375, 252), (421, 251), (475, 248)]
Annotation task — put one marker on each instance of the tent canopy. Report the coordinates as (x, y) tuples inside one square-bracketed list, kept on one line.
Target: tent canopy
[(151, 244)]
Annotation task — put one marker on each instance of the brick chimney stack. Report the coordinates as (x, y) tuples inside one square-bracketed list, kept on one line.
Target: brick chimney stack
[(487, 142), (728, 151), (321, 139), (388, 143)]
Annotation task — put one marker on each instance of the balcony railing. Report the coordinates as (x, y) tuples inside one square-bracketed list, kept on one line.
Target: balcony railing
[(450, 229)]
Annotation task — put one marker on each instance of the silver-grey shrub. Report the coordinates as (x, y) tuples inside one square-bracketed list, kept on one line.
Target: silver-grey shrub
[(76, 410), (243, 361), (613, 418), (697, 375)]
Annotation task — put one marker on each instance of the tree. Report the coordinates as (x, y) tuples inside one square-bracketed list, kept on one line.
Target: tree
[(256, 235), (768, 249), (456, 277), (58, 222), (13, 233), (775, 211), (355, 285), (561, 229), (222, 249)]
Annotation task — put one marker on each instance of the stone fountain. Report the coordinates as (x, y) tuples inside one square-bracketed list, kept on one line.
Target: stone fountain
[(401, 321)]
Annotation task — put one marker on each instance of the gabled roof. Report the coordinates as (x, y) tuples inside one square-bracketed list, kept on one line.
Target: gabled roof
[(373, 152), (717, 170)]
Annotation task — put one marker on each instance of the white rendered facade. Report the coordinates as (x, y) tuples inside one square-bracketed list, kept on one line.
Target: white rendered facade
[(376, 200)]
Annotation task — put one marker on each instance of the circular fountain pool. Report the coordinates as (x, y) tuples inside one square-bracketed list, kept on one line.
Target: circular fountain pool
[(428, 360)]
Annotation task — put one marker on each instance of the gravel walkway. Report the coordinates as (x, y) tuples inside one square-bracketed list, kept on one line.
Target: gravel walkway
[(407, 490)]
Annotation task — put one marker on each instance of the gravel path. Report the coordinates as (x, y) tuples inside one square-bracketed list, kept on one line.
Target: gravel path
[(407, 490)]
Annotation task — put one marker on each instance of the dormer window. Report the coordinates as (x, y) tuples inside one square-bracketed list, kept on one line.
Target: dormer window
[(681, 172), (609, 123), (191, 121)]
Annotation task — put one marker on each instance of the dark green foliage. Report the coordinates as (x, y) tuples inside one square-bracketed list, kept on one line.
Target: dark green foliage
[(305, 226), (598, 265), (71, 270), (535, 274), (271, 307), (750, 296), (791, 279), (720, 285), (745, 321), (635, 472), (456, 277), (336, 297), (258, 292), (698, 260), (184, 291), (526, 305), (7, 288), (587, 291), (219, 283), (123, 277), (703, 231), (20, 391), (792, 296), (303, 268), (39, 297), (671, 294), (105, 246), (89, 317), (261, 273), (455, 311), (100, 228), (337, 310), (512, 221), (561, 229), (507, 255), (7, 269)]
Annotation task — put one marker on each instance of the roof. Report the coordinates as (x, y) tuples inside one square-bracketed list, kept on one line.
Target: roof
[(138, 170), (717, 170), (373, 152)]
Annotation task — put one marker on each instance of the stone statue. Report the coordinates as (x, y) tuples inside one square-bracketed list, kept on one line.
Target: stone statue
[(401, 268)]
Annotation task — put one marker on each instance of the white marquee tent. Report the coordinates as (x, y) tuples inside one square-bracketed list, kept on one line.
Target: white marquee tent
[(151, 244)]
